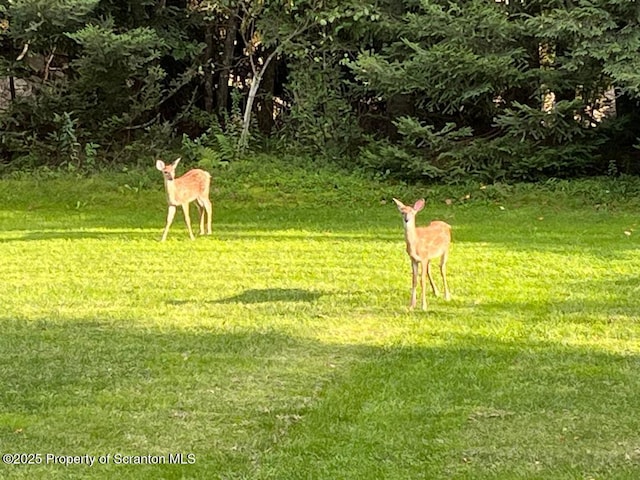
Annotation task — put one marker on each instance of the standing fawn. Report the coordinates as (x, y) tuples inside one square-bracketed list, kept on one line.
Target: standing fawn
[(193, 185), (423, 245)]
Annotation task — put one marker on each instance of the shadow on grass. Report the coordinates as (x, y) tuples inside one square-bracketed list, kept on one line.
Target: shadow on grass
[(269, 405), (91, 386), (265, 295), (39, 235), (222, 233), (475, 408)]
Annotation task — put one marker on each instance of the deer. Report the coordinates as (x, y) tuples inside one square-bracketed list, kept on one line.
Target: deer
[(423, 245), (192, 186)]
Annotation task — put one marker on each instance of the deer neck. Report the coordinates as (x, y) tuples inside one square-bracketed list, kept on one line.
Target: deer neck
[(411, 237), (170, 188)]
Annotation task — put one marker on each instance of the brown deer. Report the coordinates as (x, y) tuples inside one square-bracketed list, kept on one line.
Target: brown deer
[(193, 185), (423, 245)]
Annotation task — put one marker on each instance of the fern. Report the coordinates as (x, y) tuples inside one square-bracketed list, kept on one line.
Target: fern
[(227, 146)]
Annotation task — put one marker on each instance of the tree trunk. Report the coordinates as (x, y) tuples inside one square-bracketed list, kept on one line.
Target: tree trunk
[(243, 143), (12, 88), (227, 62)]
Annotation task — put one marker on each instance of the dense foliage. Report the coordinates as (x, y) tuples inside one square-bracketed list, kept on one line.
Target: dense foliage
[(414, 89)]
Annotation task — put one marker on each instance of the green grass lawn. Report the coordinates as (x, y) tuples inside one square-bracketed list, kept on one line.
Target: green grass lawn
[(282, 346)]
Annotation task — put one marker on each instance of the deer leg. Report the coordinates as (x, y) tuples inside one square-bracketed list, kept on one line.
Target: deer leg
[(414, 284), (433, 284), (187, 219), (209, 209), (170, 214), (200, 216), (423, 284), (443, 271)]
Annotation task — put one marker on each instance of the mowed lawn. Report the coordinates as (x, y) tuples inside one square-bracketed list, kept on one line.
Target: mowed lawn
[(281, 347)]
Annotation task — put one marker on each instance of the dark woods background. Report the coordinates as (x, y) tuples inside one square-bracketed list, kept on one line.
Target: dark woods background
[(411, 89)]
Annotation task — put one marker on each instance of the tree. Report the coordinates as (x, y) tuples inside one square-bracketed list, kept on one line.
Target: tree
[(119, 78), (481, 78)]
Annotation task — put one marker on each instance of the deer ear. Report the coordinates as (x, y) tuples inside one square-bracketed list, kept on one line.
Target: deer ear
[(160, 165), (176, 161), (419, 205), (398, 203)]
